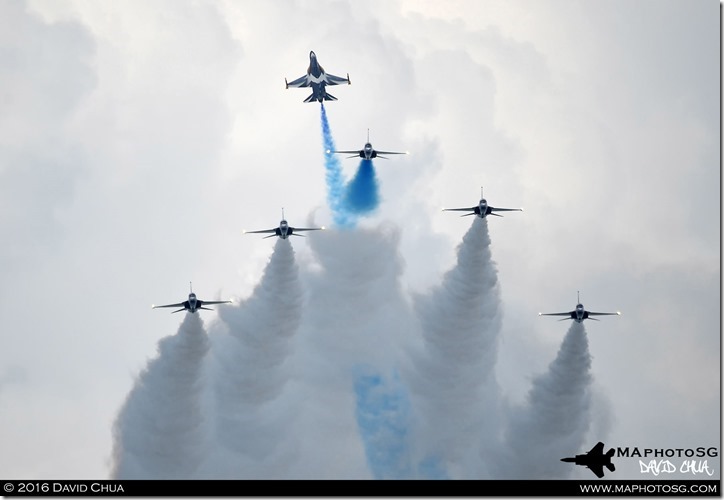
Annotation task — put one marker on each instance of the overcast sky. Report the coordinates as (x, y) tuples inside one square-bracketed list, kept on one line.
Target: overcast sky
[(140, 138)]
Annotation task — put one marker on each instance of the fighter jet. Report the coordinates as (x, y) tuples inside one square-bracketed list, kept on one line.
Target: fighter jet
[(318, 80), (368, 152), (193, 304), (594, 460), (579, 313), (483, 209), (285, 230)]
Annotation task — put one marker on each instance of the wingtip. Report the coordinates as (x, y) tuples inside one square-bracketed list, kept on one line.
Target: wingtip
[(323, 228), (618, 313)]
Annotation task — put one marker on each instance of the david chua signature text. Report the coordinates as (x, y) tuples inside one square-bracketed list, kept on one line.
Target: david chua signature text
[(659, 463)]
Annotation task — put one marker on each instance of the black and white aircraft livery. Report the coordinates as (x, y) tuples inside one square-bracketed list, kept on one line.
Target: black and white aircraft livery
[(483, 209), (193, 304), (580, 313), (285, 230), (368, 152), (318, 79)]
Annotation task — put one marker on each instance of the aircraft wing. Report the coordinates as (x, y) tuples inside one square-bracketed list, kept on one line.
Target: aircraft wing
[(335, 80), (357, 152), (211, 302), (390, 152), (180, 304), (307, 228), (556, 314), (302, 81), (604, 314), (506, 209), (596, 469), (262, 231), (471, 209), (596, 450)]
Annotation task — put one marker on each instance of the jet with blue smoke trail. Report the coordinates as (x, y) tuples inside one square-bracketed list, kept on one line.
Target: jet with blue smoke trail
[(159, 432), (318, 79), (368, 152), (482, 209), (348, 201)]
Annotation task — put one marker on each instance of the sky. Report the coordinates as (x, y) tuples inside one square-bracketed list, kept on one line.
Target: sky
[(142, 138)]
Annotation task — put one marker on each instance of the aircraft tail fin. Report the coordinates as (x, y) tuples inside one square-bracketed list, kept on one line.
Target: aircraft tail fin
[(329, 97), (178, 310), (311, 98)]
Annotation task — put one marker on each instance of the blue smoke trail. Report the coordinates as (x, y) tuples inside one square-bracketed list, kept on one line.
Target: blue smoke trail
[(362, 195), (335, 179), (383, 414)]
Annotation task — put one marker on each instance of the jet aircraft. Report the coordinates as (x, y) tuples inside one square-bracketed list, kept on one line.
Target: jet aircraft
[(193, 304), (285, 230), (580, 313), (368, 152), (594, 459), (483, 209), (318, 79)]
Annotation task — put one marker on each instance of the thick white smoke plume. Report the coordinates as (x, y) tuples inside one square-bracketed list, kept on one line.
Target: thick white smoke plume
[(332, 370), (555, 419), (250, 344), (456, 395), (158, 433)]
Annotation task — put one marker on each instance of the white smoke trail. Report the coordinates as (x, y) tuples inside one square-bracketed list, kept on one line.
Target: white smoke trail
[(250, 344), (556, 417), (357, 324), (455, 392), (158, 433)]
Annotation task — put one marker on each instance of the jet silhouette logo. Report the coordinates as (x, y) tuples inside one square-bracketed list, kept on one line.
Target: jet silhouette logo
[(595, 460)]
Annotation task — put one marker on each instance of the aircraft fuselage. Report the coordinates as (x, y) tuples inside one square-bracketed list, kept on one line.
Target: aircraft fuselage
[(192, 303), (482, 209), (579, 314), (315, 77), (283, 231)]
